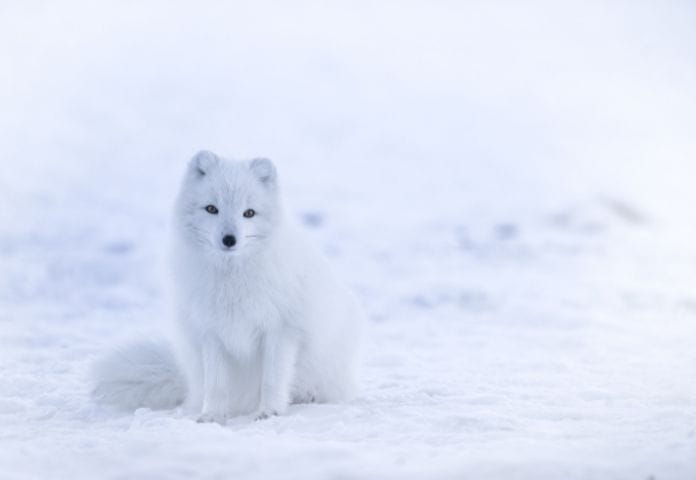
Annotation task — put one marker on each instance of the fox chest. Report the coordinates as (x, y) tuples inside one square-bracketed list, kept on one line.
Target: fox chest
[(241, 318)]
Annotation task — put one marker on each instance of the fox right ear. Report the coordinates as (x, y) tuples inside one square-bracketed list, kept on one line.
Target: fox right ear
[(264, 170), (202, 162)]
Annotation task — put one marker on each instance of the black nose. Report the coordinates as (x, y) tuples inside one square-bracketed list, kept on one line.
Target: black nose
[(229, 240)]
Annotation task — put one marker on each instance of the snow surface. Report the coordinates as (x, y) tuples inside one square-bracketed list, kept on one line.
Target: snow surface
[(508, 186)]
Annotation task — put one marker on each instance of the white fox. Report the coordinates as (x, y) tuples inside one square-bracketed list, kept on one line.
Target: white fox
[(260, 320)]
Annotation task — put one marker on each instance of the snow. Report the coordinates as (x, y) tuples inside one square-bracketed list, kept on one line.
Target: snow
[(507, 186)]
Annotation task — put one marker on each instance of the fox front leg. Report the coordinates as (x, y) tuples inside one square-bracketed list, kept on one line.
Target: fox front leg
[(216, 382), (278, 369)]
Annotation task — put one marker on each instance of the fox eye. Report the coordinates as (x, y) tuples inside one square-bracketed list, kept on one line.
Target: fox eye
[(212, 209), (249, 213)]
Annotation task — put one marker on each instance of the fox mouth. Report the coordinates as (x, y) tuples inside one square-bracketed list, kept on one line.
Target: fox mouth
[(236, 249)]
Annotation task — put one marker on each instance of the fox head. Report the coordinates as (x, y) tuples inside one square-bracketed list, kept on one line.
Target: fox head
[(228, 208)]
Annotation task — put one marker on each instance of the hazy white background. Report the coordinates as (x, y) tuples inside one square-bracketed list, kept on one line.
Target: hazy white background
[(509, 187)]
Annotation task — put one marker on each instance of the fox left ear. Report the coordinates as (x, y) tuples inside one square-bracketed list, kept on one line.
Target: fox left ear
[(264, 170), (203, 162)]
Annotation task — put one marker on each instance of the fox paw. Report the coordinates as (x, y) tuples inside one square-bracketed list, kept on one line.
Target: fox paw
[(212, 418), (264, 414), (307, 397)]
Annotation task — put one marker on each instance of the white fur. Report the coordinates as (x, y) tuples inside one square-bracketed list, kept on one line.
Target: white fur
[(259, 325), (141, 374)]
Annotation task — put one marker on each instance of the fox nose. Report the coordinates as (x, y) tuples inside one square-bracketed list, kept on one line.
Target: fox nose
[(229, 240)]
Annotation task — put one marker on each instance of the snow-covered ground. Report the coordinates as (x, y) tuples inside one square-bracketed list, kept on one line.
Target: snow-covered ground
[(508, 186)]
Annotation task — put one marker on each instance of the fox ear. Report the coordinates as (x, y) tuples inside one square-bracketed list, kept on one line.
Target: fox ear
[(264, 170), (202, 162)]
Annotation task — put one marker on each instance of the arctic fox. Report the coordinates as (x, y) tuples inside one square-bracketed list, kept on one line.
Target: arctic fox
[(260, 320)]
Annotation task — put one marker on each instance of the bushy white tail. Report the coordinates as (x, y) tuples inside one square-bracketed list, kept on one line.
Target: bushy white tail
[(143, 374)]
